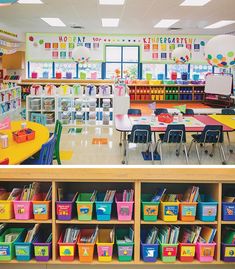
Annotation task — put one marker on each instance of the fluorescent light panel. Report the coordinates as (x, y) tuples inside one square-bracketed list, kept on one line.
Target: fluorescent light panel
[(112, 2), (110, 22), (54, 22), (30, 2), (195, 3), (219, 24), (165, 23)]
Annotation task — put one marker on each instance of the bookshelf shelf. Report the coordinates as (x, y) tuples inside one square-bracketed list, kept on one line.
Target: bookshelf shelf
[(211, 181)]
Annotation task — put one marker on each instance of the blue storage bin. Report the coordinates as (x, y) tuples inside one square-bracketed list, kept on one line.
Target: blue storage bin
[(45, 75), (207, 208), (228, 211), (160, 76), (103, 209), (23, 251), (184, 76), (149, 252), (195, 77)]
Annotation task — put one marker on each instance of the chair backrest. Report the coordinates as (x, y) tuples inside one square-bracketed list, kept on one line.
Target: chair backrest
[(175, 133), (58, 132), (228, 111), (140, 134), (136, 112), (38, 118), (158, 111), (47, 151), (212, 134), (189, 111), (23, 113), (4, 162)]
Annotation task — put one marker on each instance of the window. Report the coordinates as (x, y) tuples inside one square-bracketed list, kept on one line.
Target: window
[(179, 69), (43, 70), (66, 69), (123, 58), (200, 71), (154, 70), (89, 71)]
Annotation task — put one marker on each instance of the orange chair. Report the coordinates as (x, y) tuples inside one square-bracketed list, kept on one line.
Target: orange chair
[(4, 162)]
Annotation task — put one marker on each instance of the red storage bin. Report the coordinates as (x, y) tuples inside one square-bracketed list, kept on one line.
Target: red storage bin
[(58, 75), (186, 252)]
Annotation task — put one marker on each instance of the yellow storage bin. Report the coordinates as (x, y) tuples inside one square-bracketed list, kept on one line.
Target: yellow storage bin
[(6, 208), (169, 211), (105, 242)]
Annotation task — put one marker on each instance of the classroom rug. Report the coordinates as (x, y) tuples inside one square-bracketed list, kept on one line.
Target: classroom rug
[(66, 155), (75, 130), (99, 141), (147, 156)]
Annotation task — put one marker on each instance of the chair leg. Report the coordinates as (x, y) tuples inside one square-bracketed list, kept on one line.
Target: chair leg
[(151, 148), (222, 153), (178, 150), (127, 153), (120, 142), (198, 155), (190, 147), (160, 152), (125, 145), (212, 151), (186, 154), (229, 143)]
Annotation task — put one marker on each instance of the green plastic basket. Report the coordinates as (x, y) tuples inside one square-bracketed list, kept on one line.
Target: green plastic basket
[(125, 250), (149, 209), (84, 206), (168, 252)]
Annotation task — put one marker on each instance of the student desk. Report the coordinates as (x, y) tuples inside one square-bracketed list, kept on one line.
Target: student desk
[(18, 152), (123, 124), (228, 120)]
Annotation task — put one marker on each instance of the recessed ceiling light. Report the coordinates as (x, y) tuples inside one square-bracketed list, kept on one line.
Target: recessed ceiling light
[(196, 3), (30, 2), (110, 22), (54, 22), (165, 23), (111, 2), (219, 24)]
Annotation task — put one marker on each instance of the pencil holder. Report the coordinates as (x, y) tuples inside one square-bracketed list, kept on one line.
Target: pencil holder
[(168, 252), (205, 252), (149, 209), (187, 211), (124, 209), (103, 209), (67, 251), (228, 211), (228, 252), (105, 245), (84, 206), (169, 211), (125, 249), (186, 252), (207, 209), (86, 250), (149, 252)]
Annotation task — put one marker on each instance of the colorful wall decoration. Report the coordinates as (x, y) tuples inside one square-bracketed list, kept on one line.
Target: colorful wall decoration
[(153, 48)]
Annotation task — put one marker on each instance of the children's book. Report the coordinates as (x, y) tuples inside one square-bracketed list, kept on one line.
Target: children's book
[(158, 195), (208, 234), (228, 235)]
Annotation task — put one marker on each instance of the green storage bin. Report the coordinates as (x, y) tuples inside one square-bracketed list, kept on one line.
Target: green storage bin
[(7, 250), (149, 209), (82, 75), (168, 252), (84, 206), (125, 250)]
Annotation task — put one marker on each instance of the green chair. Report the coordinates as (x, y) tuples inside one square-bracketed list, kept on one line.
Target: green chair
[(57, 132), (38, 118)]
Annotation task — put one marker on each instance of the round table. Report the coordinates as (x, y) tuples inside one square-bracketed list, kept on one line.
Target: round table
[(18, 152)]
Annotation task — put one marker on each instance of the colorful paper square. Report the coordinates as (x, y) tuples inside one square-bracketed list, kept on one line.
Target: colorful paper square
[(63, 46), (155, 47), (147, 47)]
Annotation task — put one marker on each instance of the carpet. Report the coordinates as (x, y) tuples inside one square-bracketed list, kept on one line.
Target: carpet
[(99, 141), (66, 155)]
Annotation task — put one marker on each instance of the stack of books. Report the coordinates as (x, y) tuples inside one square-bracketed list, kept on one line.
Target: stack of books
[(30, 191), (128, 196), (191, 194), (109, 196), (127, 239), (190, 235), (71, 235), (90, 239), (32, 233), (152, 237), (169, 234), (158, 195)]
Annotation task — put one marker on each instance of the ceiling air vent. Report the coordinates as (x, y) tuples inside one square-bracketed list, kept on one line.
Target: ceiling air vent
[(77, 26), (175, 28)]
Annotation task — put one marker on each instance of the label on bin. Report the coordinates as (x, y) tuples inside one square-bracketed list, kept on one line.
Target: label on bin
[(66, 251), (63, 210), (170, 210), (125, 251), (124, 211), (169, 251), (22, 250), (84, 209), (229, 210), (41, 251), (2, 209), (207, 251), (230, 252), (150, 252), (40, 209), (187, 251), (189, 210), (4, 251), (209, 210), (104, 251), (150, 210)]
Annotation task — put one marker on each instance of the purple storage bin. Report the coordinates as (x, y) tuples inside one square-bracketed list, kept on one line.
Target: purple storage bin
[(68, 75), (65, 209), (228, 252), (228, 211), (42, 251)]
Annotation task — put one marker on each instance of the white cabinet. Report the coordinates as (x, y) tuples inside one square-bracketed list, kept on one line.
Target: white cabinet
[(10, 100)]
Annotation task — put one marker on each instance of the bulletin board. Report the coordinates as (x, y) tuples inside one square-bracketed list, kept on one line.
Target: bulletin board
[(219, 84), (153, 48)]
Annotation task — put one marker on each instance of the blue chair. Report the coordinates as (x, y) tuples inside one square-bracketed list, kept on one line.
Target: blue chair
[(189, 111), (46, 154), (175, 134), (38, 118), (159, 111), (211, 134), (228, 111), (140, 134), (23, 113)]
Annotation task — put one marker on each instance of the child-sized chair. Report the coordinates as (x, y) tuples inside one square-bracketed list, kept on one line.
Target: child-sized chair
[(175, 134), (23, 113), (228, 111), (45, 155), (4, 162), (211, 134), (57, 132), (38, 118), (159, 111)]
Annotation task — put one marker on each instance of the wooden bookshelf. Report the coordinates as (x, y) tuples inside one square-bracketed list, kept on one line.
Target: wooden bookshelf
[(212, 180)]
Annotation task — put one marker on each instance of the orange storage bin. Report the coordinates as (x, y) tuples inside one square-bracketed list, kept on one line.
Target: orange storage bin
[(41, 208), (86, 250), (187, 211)]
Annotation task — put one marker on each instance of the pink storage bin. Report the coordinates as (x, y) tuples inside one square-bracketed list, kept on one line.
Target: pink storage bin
[(34, 75), (205, 252), (124, 209), (94, 75)]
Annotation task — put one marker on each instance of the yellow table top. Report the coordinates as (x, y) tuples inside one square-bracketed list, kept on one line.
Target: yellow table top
[(18, 152), (228, 120)]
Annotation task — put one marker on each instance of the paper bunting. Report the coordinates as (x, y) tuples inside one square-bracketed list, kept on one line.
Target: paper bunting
[(9, 44), (7, 51)]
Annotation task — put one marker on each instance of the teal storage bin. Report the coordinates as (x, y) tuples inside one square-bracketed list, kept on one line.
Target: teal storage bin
[(103, 209), (207, 209), (7, 250), (23, 251)]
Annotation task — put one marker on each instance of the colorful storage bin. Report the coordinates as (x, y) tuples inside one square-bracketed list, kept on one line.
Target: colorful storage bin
[(67, 251), (65, 209), (228, 211), (149, 252), (186, 252), (205, 252), (84, 206), (7, 250), (103, 209), (125, 250), (149, 209), (168, 252), (169, 211), (187, 211), (23, 210), (228, 252), (23, 250), (6, 209), (124, 209), (86, 250), (207, 209), (42, 210), (105, 245), (42, 251)]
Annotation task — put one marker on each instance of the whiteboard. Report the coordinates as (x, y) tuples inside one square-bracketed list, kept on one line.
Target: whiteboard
[(219, 84)]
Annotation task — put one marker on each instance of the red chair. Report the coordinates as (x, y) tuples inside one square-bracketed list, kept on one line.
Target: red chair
[(4, 162)]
